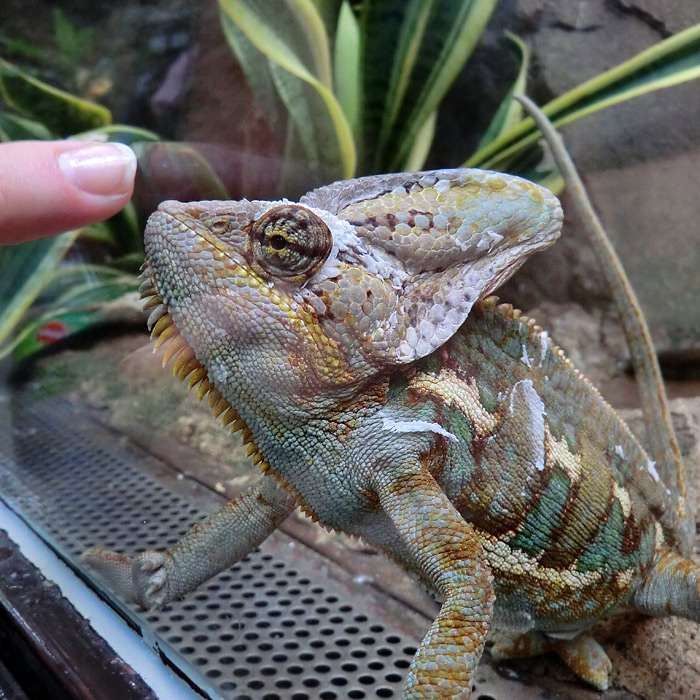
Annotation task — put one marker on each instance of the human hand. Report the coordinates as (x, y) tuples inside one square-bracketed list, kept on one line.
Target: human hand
[(47, 187)]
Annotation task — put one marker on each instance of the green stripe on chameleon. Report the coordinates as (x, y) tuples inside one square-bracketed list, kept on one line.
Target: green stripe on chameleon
[(513, 346), (488, 399), (453, 420), (540, 523), (604, 554), (397, 386)]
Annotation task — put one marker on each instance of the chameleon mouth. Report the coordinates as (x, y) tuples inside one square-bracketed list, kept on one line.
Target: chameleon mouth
[(186, 367)]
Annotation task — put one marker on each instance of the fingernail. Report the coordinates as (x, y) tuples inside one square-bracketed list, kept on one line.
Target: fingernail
[(103, 169)]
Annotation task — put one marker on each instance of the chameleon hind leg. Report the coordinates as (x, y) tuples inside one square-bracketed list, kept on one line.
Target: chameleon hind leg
[(582, 654), (670, 587)]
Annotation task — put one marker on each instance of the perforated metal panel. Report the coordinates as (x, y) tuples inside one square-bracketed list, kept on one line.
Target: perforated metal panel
[(267, 628)]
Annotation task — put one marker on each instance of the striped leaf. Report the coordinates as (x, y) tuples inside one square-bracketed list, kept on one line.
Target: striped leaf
[(671, 62), (412, 52)]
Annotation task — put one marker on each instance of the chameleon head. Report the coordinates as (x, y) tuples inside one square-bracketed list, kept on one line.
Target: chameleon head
[(300, 302)]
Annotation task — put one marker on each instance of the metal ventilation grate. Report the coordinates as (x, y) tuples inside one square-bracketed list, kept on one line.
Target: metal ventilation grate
[(266, 629)]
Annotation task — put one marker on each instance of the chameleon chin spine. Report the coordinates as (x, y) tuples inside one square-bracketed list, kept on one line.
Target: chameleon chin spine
[(186, 366)]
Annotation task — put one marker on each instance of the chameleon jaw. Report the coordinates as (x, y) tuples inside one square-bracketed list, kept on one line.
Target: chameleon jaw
[(186, 366)]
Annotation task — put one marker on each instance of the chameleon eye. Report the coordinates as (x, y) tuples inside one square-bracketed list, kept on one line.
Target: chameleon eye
[(289, 242)]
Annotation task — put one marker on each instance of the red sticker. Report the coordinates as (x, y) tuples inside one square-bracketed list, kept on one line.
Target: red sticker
[(51, 332)]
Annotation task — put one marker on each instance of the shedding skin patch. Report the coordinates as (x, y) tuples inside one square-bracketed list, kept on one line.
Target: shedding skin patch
[(528, 407), (416, 426), (459, 394), (651, 468)]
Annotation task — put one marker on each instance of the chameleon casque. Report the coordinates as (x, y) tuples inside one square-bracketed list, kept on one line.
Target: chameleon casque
[(352, 339)]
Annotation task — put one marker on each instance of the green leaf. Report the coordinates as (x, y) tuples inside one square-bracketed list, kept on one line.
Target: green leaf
[(317, 136), (127, 232), (64, 278), (123, 133), (510, 111), (276, 39), (46, 330), (98, 232), (413, 50), (256, 68), (346, 63), (72, 43), (670, 62), (26, 268), (291, 34), (60, 112), (329, 12), (421, 145), (121, 234), (93, 293), (74, 298), (14, 128), (20, 47), (177, 171)]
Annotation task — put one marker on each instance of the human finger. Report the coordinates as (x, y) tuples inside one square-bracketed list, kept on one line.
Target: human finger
[(47, 187)]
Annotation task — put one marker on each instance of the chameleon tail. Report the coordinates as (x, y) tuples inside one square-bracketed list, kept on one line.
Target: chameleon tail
[(671, 587)]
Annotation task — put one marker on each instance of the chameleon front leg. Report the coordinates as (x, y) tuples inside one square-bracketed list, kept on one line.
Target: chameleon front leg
[(446, 551), (152, 579)]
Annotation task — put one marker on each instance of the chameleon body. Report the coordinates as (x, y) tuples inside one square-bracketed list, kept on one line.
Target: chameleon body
[(352, 340)]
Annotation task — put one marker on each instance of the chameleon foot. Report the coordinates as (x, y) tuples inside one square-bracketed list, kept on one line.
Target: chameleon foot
[(586, 658), (141, 579), (583, 655)]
